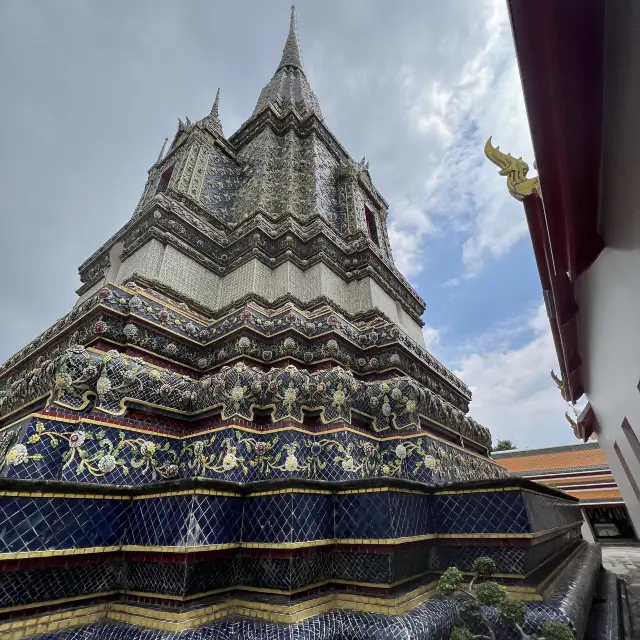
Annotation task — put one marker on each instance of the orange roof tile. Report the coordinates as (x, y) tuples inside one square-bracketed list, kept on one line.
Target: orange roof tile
[(596, 479), (596, 494), (576, 459)]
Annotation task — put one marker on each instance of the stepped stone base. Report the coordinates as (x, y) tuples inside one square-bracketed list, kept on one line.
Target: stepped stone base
[(268, 473)]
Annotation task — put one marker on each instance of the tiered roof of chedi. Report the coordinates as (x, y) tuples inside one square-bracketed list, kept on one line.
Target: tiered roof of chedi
[(237, 429)]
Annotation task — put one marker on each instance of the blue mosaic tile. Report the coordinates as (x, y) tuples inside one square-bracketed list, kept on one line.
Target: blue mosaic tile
[(38, 524), (159, 521), (290, 517), (511, 560), (545, 512), (268, 519), (206, 519), (491, 512), (214, 520), (362, 515), (410, 514), (543, 551), (43, 455), (39, 585), (118, 455)]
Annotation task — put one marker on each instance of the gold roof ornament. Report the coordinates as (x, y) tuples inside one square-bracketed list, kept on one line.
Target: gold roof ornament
[(560, 384), (515, 169), (563, 391)]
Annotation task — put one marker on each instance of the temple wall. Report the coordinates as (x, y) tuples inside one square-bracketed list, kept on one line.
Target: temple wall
[(87, 294), (188, 277), (145, 261), (607, 293)]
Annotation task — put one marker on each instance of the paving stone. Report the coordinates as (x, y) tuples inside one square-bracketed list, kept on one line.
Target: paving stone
[(625, 561)]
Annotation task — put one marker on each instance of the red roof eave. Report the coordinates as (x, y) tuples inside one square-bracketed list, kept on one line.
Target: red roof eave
[(560, 47)]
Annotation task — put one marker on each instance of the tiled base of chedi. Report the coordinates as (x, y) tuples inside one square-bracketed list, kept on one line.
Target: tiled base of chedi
[(238, 433)]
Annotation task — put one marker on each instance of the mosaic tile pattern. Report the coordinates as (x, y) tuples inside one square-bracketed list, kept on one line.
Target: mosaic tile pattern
[(40, 585), (249, 332), (116, 380), (547, 513), (502, 512), (121, 455), (430, 620), (510, 560), (203, 518), (347, 422), (543, 551), (40, 524), (570, 601)]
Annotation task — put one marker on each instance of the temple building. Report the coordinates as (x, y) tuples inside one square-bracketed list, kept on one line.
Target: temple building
[(580, 470), (237, 431), (582, 209)]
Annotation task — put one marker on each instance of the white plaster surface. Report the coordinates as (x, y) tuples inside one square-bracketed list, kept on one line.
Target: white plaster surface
[(608, 294), (183, 274)]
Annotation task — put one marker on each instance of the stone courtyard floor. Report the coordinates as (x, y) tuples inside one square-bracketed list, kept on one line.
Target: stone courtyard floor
[(625, 561)]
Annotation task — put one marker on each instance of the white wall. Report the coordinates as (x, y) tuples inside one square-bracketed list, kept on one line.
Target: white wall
[(608, 294), (186, 276), (586, 530)]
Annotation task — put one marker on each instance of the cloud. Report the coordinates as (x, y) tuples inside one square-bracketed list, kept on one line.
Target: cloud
[(457, 112), (420, 108), (409, 224), (513, 394), (431, 337)]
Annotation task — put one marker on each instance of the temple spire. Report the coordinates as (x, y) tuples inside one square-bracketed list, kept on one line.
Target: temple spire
[(161, 154), (291, 52), (214, 116), (216, 103), (289, 90)]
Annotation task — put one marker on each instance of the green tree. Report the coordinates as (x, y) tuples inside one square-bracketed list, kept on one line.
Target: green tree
[(504, 445), (483, 592)]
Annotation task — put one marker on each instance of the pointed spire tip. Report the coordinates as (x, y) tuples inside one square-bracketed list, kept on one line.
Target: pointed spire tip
[(161, 154), (291, 52), (216, 104)]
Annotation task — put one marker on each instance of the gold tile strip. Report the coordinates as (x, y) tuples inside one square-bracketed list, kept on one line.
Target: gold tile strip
[(23, 555), (48, 603), (178, 621), (237, 587), (276, 545), (290, 490), (461, 491), (187, 492), (16, 629)]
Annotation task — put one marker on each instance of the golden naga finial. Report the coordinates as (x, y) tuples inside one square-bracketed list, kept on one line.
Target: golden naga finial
[(563, 391), (559, 384), (515, 169)]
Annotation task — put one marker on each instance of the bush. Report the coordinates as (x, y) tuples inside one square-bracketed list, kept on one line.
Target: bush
[(491, 593), (461, 633), (513, 611), (469, 602), (556, 631), (483, 567), (450, 581)]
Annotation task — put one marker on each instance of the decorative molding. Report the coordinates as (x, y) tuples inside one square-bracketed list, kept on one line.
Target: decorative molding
[(515, 169)]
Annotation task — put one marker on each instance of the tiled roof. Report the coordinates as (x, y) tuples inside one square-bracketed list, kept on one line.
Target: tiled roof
[(572, 458), (597, 494), (582, 480), (563, 448)]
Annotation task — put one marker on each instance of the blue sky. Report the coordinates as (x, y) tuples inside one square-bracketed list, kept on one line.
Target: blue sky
[(91, 90)]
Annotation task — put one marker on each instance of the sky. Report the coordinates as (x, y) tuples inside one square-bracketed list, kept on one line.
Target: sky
[(91, 89)]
